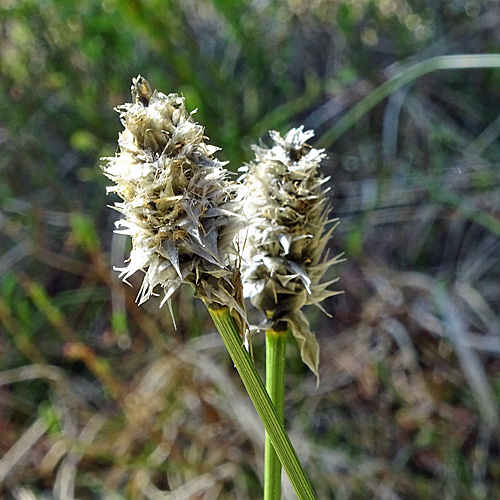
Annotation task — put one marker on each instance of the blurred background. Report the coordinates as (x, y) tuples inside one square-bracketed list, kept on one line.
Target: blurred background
[(102, 399)]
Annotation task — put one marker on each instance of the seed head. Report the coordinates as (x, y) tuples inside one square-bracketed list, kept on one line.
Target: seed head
[(283, 257), (178, 205)]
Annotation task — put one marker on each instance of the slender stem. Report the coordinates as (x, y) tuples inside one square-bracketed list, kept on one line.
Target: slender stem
[(275, 384), (263, 404)]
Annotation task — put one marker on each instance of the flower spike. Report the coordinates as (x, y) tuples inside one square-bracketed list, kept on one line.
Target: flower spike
[(177, 202), (283, 257)]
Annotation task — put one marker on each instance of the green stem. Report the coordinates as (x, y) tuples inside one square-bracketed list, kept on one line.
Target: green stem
[(263, 404), (466, 61), (275, 384)]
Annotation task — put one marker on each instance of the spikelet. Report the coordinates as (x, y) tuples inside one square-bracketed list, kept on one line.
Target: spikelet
[(177, 202), (284, 257)]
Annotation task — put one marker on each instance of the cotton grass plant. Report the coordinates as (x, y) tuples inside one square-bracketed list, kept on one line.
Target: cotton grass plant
[(187, 223), (284, 258), (178, 206)]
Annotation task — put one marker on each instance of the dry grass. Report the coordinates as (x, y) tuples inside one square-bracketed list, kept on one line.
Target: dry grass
[(101, 399)]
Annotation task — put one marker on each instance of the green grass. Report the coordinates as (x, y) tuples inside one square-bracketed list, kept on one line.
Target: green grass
[(102, 399)]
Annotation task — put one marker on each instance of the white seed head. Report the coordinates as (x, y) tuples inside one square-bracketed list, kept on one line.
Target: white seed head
[(283, 257), (178, 205)]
